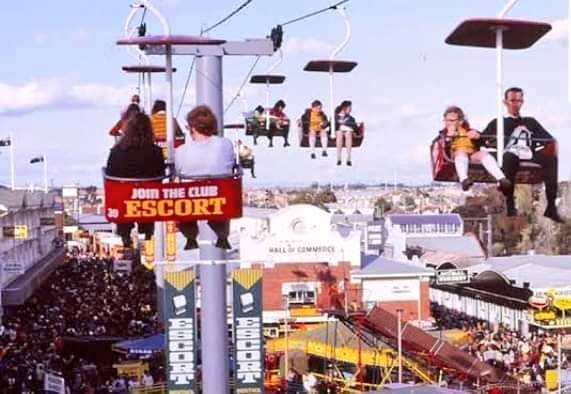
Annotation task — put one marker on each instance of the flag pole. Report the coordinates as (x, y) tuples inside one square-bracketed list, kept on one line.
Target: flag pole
[(45, 173), (12, 167)]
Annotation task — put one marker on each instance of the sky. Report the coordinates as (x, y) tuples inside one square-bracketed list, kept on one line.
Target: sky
[(62, 88)]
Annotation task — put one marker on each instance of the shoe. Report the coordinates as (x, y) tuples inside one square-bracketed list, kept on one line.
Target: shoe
[(551, 213), (467, 184), (223, 243), (349, 163), (191, 244), (338, 162), (286, 144), (510, 209), (271, 145), (313, 155), (255, 141), (324, 153), (504, 185)]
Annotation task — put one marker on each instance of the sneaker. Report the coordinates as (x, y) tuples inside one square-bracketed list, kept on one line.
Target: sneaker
[(551, 213), (271, 145), (504, 185), (313, 155), (223, 243), (191, 244), (338, 162), (286, 144), (349, 163), (324, 153), (467, 184)]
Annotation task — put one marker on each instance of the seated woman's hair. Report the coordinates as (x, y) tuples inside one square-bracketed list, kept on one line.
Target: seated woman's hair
[(202, 120), (132, 109), (279, 104), (453, 109), (316, 103), (138, 132), (259, 109), (345, 104), (159, 105)]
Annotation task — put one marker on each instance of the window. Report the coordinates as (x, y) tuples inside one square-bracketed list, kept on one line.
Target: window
[(301, 297)]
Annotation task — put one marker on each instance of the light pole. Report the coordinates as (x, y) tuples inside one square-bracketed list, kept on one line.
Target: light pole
[(399, 339), (286, 306), (559, 363)]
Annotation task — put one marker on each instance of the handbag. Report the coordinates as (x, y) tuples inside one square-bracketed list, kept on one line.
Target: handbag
[(520, 143)]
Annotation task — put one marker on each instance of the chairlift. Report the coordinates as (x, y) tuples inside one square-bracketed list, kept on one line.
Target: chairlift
[(332, 66), (498, 33)]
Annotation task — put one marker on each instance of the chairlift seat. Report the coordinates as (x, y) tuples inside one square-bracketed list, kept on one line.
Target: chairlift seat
[(258, 128), (481, 32), (234, 126), (443, 169), (148, 200), (270, 79), (358, 137), (141, 68), (336, 66)]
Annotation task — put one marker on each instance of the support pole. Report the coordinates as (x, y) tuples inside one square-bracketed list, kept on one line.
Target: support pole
[(149, 94), (499, 87), (399, 338), (214, 331), (332, 131), (12, 167), (45, 173)]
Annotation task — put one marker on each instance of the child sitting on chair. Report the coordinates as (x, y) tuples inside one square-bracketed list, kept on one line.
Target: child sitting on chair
[(461, 137)]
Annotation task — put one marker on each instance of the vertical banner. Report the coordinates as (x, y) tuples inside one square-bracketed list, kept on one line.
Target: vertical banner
[(170, 241), (248, 331), (179, 307), (148, 255)]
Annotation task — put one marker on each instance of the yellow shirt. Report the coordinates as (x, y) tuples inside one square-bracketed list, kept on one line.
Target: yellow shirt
[(159, 125), (314, 121), (462, 142)]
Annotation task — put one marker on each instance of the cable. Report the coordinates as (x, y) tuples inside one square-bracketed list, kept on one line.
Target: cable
[(185, 86), (237, 10), (332, 7), (244, 82)]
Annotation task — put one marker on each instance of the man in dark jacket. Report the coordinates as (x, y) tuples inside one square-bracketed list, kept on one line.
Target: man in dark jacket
[(525, 138)]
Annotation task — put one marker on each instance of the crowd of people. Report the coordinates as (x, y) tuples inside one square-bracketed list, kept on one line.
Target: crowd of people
[(83, 298), (524, 357)]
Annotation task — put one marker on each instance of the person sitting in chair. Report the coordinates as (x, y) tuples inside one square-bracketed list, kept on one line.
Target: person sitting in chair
[(246, 156), (280, 119), (346, 126), (315, 122), (526, 139), (258, 122), (205, 154)]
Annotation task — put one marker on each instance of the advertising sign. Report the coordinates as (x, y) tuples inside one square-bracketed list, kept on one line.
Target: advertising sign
[(448, 277), (248, 331), (16, 232), (12, 267), (181, 346), (152, 201)]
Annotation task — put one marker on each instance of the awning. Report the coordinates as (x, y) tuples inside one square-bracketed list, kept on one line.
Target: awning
[(149, 345)]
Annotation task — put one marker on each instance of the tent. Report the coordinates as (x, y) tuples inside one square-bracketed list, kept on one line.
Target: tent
[(143, 346)]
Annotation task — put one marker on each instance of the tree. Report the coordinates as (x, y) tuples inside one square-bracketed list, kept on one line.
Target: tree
[(383, 205)]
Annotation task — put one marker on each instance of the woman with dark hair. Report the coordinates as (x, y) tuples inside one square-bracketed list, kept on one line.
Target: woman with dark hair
[(159, 125), (136, 156), (345, 128), (119, 128), (205, 154), (280, 118)]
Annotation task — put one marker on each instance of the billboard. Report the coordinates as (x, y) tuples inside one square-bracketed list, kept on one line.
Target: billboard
[(152, 201), (181, 344), (248, 331), (453, 276), (16, 232)]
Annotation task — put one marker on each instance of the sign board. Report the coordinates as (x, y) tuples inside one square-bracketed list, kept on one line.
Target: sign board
[(453, 276), (48, 221), (122, 266), (248, 331), (181, 346), (153, 201), (562, 303), (70, 229), (544, 316), (13, 267), (303, 250), (69, 192), (54, 384), (16, 232)]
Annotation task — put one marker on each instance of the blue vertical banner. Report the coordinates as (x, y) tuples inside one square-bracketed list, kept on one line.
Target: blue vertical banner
[(248, 331), (181, 346)]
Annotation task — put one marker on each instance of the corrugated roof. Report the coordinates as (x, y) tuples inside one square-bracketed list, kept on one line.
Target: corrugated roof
[(382, 266), (463, 245), (448, 218), (17, 199)]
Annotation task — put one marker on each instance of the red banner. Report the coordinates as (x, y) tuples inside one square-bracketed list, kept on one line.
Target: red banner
[(153, 201)]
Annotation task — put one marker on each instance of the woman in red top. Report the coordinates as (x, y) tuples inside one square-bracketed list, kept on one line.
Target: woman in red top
[(280, 118)]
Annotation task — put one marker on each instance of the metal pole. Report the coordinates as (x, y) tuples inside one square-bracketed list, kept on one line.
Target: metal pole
[(399, 338), (214, 335), (490, 234), (169, 102), (12, 167), (267, 104), (559, 363), (45, 173), (569, 51), (331, 107), (286, 328), (499, 86), (149, 94)]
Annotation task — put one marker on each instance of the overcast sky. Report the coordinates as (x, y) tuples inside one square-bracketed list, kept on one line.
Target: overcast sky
[(62, 88)]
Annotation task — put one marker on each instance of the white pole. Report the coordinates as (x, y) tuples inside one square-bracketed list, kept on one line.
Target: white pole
[(499, 86), (569, 51), (170, 101), (149, 94), (267, 104), (12, 167), (45, 173), (559, 363), (286, 366), (399, 338), (506, 8), (332, 130)]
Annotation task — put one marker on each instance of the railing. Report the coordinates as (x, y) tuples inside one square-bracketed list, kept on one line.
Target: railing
[(159, 388)]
